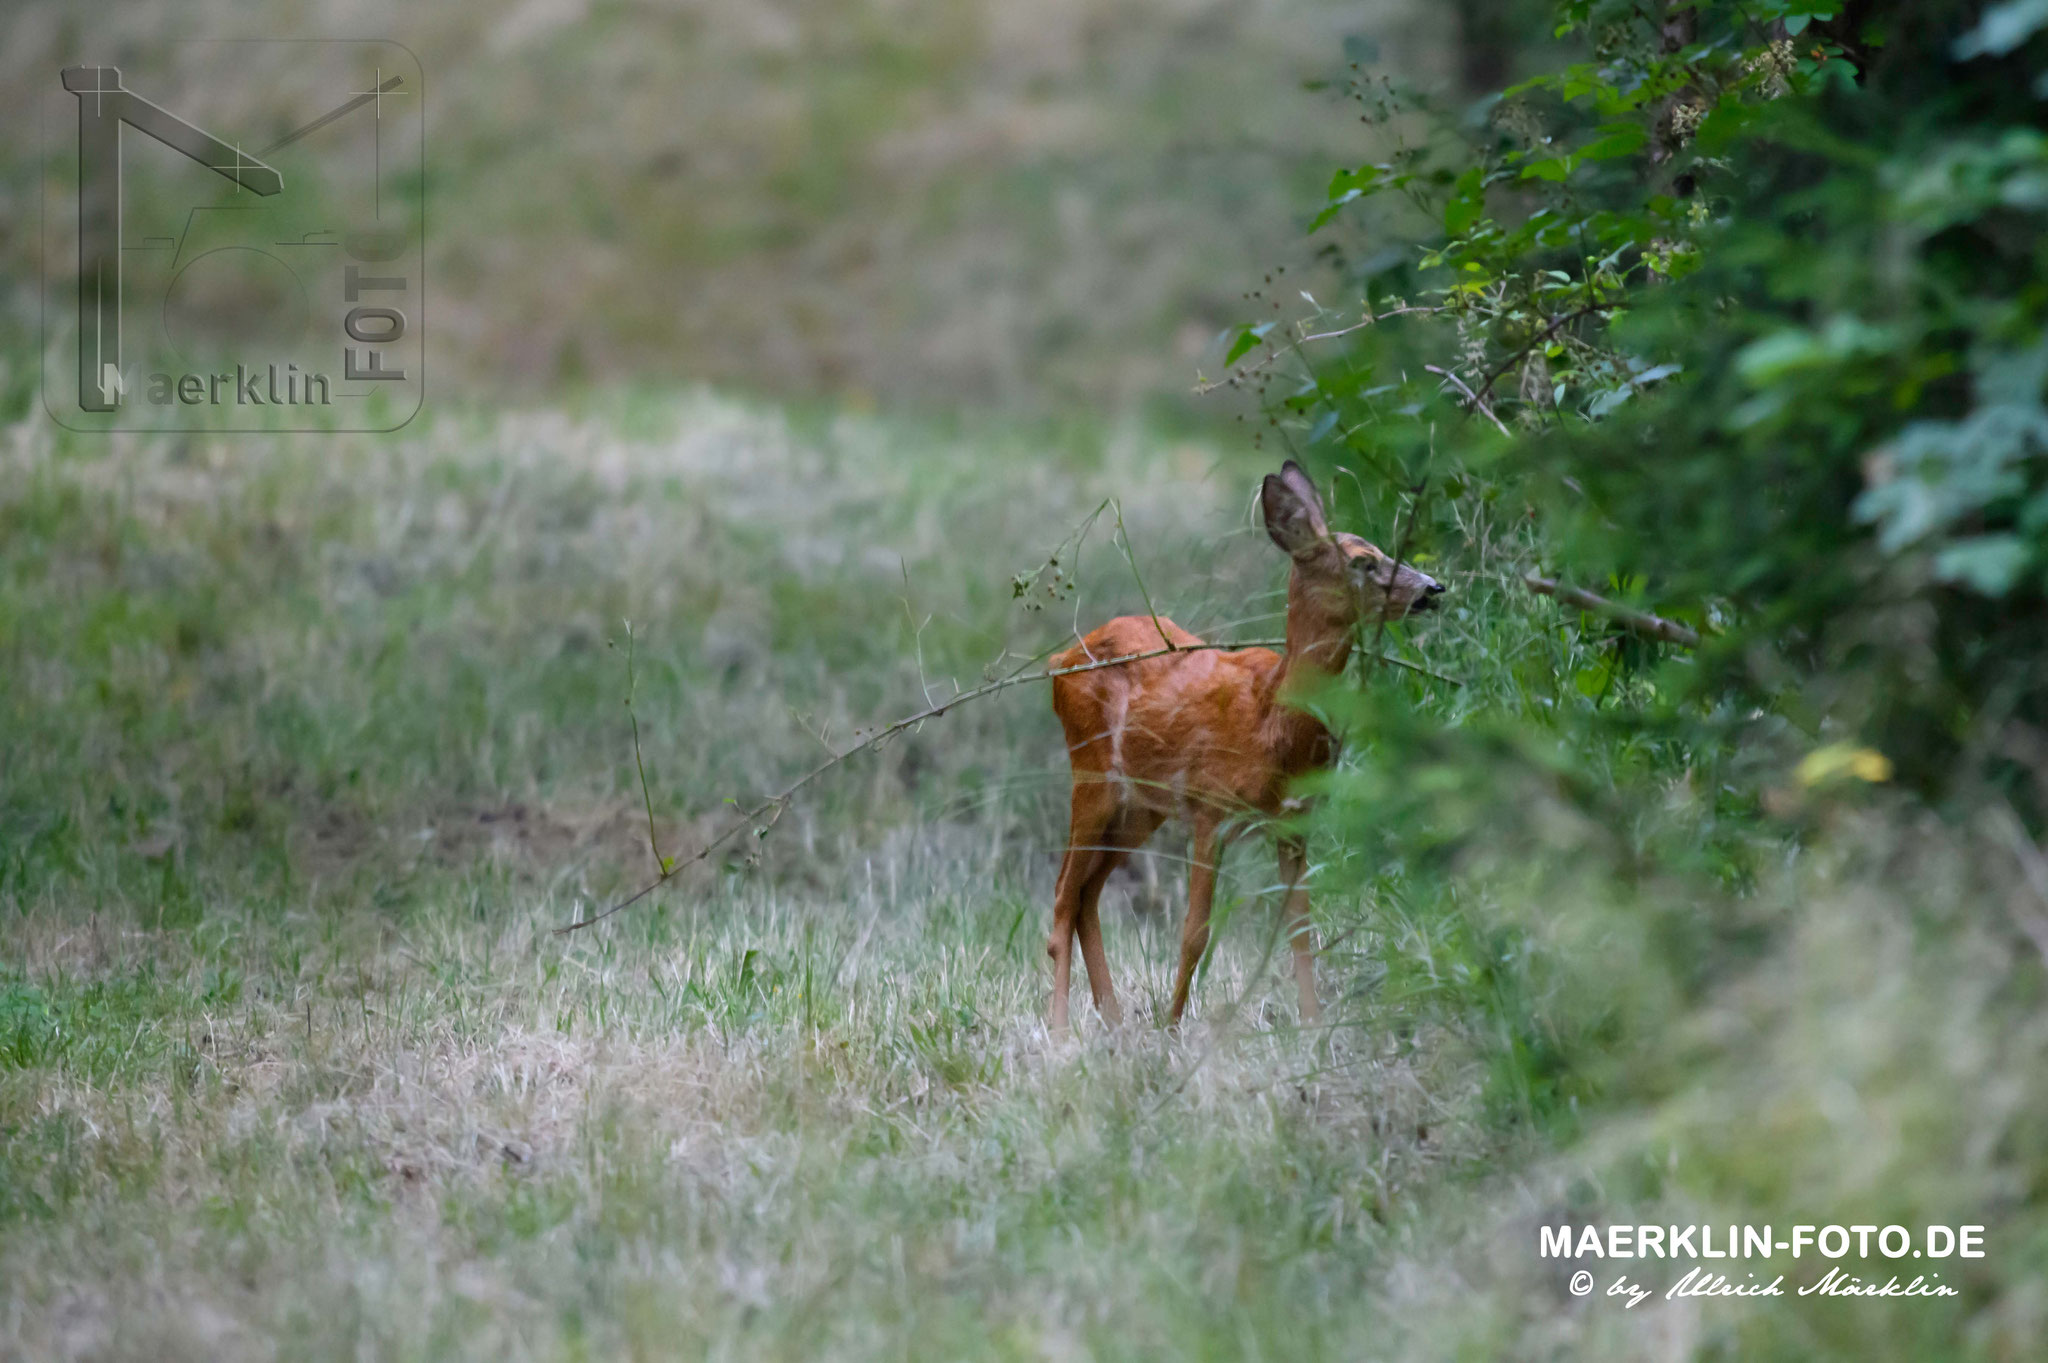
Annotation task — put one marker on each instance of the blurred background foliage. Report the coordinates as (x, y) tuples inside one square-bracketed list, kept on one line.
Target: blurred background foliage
[(1735, 313), (964, 205)]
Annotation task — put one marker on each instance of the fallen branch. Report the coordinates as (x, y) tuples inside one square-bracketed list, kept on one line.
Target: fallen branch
[(1641, 622), (771, 808), (1473, 402)]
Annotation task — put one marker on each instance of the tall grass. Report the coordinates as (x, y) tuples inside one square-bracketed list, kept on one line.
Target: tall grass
[(307, 752), (307, 749)]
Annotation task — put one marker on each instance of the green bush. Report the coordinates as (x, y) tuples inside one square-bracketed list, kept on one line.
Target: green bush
[(1735, 316)]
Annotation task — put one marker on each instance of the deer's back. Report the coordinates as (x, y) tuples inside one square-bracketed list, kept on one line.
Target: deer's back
[(1172, 727)]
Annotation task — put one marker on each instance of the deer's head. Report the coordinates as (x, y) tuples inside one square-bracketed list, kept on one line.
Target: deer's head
[(1341, 578)]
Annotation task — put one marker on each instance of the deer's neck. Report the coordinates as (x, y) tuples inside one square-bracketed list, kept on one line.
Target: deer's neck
[(1318, 645)]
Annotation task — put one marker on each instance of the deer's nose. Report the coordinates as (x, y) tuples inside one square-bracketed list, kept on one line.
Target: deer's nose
[(1427, 601)]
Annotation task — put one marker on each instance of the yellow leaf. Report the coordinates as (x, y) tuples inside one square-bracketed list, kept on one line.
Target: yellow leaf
[(1838, 761)]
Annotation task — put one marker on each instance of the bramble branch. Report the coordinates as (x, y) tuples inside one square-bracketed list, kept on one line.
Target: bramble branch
[(1641, 622), (771, 808), (1473, 401), (1237, 373), (1562, 320)]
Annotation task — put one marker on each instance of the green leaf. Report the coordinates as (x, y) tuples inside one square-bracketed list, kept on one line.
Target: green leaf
[(1988, 564), (1346, 185), (1246, 339), (1608, 401), (2003, 28), (1466, 204), (1324, 218), (1615, 140)]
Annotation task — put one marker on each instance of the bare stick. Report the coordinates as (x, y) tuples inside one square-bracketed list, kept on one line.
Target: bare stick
[(1400, 552), (2032, 922), (646, 795), (773, 806), (1641, 622), (1473, 401), (1123, 541), (1370, 318)]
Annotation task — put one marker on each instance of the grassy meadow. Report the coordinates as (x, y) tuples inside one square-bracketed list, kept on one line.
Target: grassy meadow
[(795, 368), (309, 750)]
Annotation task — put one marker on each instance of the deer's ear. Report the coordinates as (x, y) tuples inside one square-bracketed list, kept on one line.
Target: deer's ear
[(1294, 522), (1304, 487)]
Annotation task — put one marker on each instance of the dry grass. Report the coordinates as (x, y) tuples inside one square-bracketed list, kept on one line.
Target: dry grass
[(306, 752), (310, 751)]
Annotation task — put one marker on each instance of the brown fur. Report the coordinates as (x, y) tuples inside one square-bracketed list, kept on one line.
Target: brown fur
[(1208, 735)]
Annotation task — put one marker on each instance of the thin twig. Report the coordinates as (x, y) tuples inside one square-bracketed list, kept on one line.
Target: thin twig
[(1400, 551), (1123, 542), (2031, 922), (774, 804), (924, 687), (1565, 319), (1473, 401), (1370, 319), (646, 795), (1640, 622)]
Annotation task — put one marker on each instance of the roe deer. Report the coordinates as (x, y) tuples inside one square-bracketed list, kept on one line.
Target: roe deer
[(1209, 735)]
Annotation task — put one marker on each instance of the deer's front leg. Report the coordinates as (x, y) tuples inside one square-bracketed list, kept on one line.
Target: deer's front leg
[(1300, 933), (1194, 930)]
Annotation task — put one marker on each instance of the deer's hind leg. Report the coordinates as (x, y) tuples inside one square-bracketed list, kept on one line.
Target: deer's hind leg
[(1095, 809), (1126, 833), (1101, 834)]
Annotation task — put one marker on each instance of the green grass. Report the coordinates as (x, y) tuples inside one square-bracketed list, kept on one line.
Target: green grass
[(933, 201), (308, 747)]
